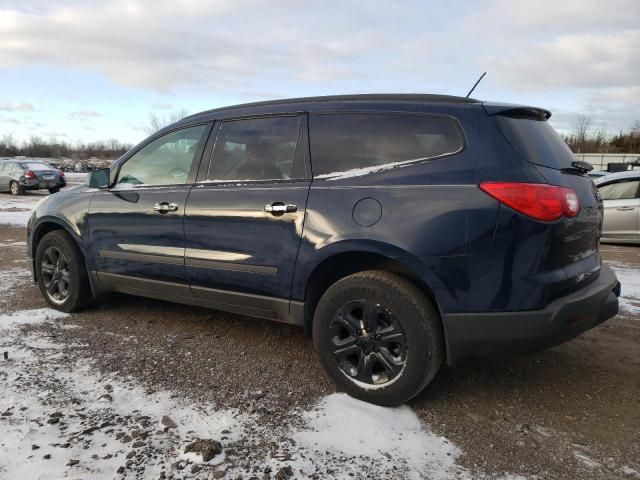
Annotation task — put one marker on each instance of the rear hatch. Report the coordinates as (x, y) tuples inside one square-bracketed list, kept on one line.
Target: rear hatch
[(575, 241)]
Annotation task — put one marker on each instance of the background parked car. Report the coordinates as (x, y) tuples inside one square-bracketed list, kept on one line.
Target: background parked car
[(16, 176), (597, 174), (621, 197)]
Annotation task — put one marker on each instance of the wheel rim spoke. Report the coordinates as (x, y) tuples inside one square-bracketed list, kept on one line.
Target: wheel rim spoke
[(52, 287), (365, 369), (390, 364), (47, 268), (348, 322)]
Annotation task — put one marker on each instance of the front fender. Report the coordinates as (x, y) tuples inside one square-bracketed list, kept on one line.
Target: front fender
[(67, 210)]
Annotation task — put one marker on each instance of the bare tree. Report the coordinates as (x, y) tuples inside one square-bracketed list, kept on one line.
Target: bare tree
[(157, 122), (581, 131)]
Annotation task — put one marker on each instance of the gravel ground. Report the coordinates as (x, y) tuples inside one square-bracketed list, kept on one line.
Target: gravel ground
[(569, 412)]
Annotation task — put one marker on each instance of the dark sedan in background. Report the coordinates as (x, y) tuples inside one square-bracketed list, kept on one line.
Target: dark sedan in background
[(16, 176)]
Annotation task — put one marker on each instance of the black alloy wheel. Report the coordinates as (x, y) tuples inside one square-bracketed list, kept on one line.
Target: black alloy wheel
[(369, 342), (56, 275)]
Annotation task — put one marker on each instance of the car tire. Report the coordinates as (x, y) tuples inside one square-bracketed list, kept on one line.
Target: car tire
[(54, 190), (16, 188), (367, 364), (61, 272)]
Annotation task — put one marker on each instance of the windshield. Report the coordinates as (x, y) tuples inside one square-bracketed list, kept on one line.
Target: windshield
[(535, 140), (35, 166)]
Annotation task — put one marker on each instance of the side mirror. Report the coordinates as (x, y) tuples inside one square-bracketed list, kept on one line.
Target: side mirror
[(99, 178)]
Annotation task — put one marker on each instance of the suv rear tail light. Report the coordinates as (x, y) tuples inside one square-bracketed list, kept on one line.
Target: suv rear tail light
[(539, 201), (29, 174), (61, 173)]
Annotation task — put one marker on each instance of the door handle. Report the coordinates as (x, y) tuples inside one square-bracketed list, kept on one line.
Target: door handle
[(625, 209), (279, 208), (165, 207)]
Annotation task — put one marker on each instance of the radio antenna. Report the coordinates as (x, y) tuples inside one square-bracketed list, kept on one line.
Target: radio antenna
[(476, 84)]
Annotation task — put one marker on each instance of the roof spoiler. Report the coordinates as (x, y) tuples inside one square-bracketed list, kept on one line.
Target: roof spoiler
[(516, 111)]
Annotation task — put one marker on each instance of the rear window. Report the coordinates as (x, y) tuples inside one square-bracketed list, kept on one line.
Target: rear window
[(536, 141), (35, 166), (349, 142)]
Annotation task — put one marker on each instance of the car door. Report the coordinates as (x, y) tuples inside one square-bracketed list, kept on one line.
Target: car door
[(5, 175), (136, 226), (244, 218), (621, 209)]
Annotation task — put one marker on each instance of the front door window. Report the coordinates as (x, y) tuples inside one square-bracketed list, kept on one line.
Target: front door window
[(165, 161)]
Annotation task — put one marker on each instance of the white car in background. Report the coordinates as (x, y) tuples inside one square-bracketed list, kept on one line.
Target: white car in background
[(620, 193)]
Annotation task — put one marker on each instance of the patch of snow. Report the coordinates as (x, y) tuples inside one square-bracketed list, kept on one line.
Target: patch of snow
[(358, 172), (630, 281), (630, 472), (37, 389), (16, 210), (393, 437), (10, 279), (13, 244), (99, 417), (586, 461), (75, 178), (30, 317)]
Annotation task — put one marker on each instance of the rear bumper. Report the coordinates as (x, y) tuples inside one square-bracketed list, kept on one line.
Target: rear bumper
[(35, 184), (473, 334)]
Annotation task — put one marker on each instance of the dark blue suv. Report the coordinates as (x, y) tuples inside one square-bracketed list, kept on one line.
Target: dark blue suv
[(401, 231)]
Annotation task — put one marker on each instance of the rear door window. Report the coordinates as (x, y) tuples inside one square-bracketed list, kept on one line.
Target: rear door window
[(256, 149), (354, 141), (620, 190)]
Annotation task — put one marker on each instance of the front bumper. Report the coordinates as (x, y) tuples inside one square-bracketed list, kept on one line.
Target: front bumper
[(474, 334)]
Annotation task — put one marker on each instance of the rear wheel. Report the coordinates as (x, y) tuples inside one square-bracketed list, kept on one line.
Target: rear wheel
[(61, 272), (378, 337), (54, 190), (16, 188)]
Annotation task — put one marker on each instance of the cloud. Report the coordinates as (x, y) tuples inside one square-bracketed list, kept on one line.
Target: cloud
[(53, 134), (164, 45), (572, 61), (161, 106), (83, 115), (15, 106), (12, 120), (579, 50), (544, 16)]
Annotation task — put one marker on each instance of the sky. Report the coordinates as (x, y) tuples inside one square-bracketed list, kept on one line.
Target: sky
[(87, 71)]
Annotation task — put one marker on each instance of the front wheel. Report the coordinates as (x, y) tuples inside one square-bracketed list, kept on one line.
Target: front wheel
[(378, 337), (61, 272)]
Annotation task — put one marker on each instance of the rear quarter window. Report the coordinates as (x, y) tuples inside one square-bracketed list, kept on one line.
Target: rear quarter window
[(536, 141), (349, 142)]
